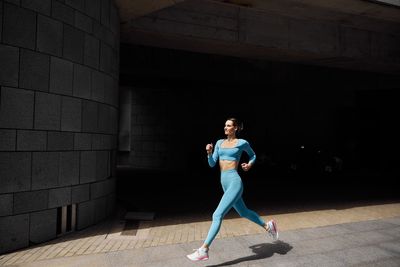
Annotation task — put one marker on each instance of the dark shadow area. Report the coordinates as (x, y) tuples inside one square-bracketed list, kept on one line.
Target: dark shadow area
[(325, 138), (261, 251)]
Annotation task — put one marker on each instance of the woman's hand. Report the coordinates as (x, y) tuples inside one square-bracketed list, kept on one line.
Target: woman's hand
[(246, 166), (209, 148)]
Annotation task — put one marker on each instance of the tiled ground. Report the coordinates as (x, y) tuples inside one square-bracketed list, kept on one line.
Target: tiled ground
[(107, 236)]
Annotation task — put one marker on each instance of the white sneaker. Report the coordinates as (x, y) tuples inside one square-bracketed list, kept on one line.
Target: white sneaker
[(273, 230), (200, 254)]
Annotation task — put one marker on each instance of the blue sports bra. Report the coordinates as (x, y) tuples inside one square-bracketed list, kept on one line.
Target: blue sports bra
[(232, 154)]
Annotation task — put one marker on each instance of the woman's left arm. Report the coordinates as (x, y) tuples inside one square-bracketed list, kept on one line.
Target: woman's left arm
[(252, 156)]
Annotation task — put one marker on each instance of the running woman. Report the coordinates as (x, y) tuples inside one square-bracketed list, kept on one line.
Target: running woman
[(228, 152)]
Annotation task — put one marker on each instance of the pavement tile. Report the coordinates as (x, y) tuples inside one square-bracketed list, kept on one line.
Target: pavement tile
[(393, 247), (367, 225), (361, 255)]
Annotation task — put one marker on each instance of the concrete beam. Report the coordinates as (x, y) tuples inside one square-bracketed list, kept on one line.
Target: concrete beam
[(368, 8), (133, 9)]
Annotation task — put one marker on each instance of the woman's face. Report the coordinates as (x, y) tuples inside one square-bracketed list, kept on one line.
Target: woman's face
[(229, 128)]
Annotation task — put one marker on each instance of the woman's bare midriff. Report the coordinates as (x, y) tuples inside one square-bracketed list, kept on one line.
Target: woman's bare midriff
[(226, 165)]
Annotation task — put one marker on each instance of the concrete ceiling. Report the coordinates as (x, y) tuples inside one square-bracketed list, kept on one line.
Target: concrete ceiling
[(353, 34)]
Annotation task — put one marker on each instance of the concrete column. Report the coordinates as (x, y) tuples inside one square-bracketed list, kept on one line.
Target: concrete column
[(58, 95)]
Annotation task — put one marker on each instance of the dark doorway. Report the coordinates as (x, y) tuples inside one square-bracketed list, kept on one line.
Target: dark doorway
[(316, 134)]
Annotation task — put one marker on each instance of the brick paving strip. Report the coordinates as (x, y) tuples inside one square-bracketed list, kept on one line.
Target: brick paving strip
[(106, 237)]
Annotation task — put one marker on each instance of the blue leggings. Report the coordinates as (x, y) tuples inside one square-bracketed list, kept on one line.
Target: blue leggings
[(233, 189)]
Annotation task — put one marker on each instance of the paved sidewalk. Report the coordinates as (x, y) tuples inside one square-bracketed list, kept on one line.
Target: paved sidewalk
[(329, 236), (367, 243)]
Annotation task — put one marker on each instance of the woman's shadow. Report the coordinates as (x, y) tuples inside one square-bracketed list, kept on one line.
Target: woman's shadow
[(261, 251)]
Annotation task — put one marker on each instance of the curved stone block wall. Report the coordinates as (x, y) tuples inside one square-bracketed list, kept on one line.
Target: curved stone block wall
[(58, 115)]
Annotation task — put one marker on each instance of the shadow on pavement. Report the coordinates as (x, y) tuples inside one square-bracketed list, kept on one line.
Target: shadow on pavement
[(262, 251)]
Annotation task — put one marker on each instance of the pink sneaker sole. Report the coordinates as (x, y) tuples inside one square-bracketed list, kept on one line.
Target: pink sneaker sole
[(199, 259), (276, 229)]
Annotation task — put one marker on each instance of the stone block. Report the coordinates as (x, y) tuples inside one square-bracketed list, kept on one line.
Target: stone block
[(49, 36), (69, 168), (114, 64), (9, 57), (101, 142), (113, 163), (114, 19), (114, 141), (98, 86), (34, 71), (74, 42), (30, 201), (71, 114), (104, 124), (40, 6), (77, 4), (83, 22), (15, 2), (14, 232), (6, 204), (82, 81), (45, 168), (102, 161), (108, 89), (98, 190), (89, 116), (7, 140), (111, 201), (105, 13), (16, 108), (57, 141), (85, 214), (80, 193), (61, 74), (88, 167), (99, 31), (31, 140), (100, 209), (43, 226), (92, 8), (91, 53), (111, 40), (62, 12), (15, 171), (114, 120), (106, 54), (47, 111), (1, 21), (82, 141), (115, 94), (111, 186), (59, 197), (19, 26)]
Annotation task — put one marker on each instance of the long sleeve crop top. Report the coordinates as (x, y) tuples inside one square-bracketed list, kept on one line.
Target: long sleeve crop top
[(233, 153)]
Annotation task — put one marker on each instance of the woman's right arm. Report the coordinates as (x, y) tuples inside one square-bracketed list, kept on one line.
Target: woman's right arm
[(212, 157)]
